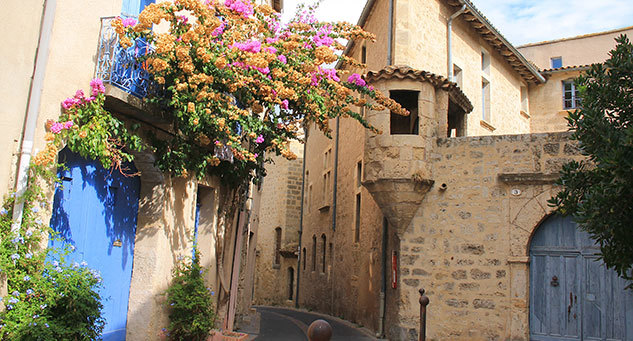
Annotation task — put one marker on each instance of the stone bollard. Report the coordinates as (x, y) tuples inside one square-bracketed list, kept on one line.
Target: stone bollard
[(424, 301), (319, 330)]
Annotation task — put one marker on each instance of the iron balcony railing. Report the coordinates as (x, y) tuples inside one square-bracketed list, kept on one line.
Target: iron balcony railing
[(121, 66)]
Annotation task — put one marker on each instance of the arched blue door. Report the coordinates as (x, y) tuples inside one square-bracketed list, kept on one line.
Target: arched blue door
[(95, 210), (572, 295)]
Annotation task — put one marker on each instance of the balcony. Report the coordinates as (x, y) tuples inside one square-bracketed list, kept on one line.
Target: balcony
[(120, 66)]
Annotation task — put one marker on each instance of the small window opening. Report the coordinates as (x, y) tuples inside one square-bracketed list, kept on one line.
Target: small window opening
[(363, 54), (357, 220), (314, 246), (456, 120), (323, 251), (277, 257), (304, 259), (485, 100), (291, 282), (457, 75), (359, 173), (524, 99), (485, 62), (405, 125), (556, 62)]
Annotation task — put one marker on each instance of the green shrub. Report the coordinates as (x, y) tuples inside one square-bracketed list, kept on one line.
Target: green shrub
[(191, 311), (48, 298)]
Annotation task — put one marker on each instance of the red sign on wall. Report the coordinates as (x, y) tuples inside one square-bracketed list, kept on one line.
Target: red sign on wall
[(394, 269)]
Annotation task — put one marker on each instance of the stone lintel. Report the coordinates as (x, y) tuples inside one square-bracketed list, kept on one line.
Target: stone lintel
[(528, 178)]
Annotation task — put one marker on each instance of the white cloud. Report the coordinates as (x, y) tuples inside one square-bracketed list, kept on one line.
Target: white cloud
[(520, 21)]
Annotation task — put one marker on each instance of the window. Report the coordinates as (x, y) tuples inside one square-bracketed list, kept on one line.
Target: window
[(324, 245), (524, 100), (277, 256), (359, 173), (485, 62), (277, 5), (457, 75), (314, 246), (405, 125), (291, 280), (571, 96), (556, 62), (485, 99), (357, 220), (304, 259), (363, 54), (327, 176)]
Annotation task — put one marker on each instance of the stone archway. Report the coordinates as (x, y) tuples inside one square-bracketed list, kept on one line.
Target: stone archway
[(526, 214)]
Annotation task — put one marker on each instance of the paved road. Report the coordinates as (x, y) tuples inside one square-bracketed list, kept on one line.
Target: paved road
[(283, 324)]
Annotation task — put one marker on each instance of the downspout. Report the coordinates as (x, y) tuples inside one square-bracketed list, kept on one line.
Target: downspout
[(390, 36), (303, 186), (334, 197), (383, 279), (32, 110), (449, 34), (334, 192)]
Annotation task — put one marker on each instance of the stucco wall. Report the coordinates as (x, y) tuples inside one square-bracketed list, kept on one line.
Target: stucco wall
[(167, 206), (546, 103), (575, 51)]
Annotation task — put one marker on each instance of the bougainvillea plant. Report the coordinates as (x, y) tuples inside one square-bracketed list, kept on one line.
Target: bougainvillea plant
[(90, 130), (239, 80)]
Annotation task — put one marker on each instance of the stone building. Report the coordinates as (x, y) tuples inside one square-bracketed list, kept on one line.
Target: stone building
[(277, 236), (49, 50), (453, 198)]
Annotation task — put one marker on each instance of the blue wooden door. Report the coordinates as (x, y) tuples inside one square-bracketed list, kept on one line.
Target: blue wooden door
[(95, 210), (572, 295)]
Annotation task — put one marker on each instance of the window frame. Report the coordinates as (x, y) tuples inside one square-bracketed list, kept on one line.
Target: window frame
[(575, 100)]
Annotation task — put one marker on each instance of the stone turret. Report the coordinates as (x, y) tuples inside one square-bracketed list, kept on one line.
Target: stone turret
[(398, 170)]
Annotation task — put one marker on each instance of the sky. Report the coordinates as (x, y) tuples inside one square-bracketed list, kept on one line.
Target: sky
[(520, 21)]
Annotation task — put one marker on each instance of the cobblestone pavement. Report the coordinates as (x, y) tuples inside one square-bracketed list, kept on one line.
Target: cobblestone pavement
[(285, 324)]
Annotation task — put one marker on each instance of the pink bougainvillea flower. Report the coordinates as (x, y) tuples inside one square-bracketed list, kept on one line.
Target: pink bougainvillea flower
[(127, 22), (97, 87), (239, 6), (79, 94), (69, 102), (259, 139), (253, 46), (284, 104), (282, 59), (356, 79), (68, 125), (57, 127)]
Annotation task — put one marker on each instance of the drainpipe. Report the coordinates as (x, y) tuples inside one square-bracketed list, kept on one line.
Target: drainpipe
[(334, 192), (390, 36), (449, 33), (303, 186), (32, 109), (383, 279)]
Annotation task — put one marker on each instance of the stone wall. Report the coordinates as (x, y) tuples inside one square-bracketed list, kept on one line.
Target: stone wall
[(280, 207), (421, 42), (468, 244)]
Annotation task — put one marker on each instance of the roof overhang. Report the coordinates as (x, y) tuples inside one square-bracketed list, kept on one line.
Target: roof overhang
[(439, 82), (489, 33)]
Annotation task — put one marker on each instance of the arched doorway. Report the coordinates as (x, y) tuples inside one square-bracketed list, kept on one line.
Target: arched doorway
[(572, 295), (95, 210)]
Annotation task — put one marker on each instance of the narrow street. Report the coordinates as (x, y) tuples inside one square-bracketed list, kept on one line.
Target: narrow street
[(274, 323)]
